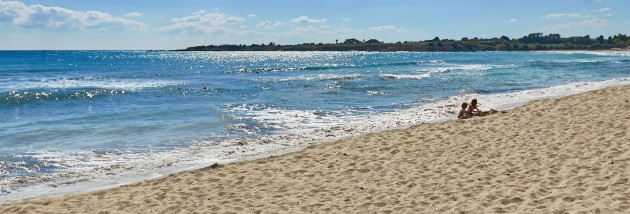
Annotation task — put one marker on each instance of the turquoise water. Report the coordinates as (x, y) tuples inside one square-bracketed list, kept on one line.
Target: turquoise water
[(85, 115)]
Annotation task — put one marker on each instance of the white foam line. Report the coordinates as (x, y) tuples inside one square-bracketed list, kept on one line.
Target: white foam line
[(405, 76), (87, 83), (599, 53), (510, 100), (44, 189), (322, 77)]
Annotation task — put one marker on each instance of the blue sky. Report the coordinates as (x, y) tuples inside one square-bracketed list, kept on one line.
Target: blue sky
[(160, 24)]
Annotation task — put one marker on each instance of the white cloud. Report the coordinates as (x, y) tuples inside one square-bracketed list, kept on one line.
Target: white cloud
[(199, 12), (134, 14), (511, 21), (197, 29), (388, 28), (251, 15), (588, 23), (264, 24), (564, 15), (57, 18), (269, 24), (345, 19), (211, 19), (202, 22), (598, 0), (306, 19), (603, 10)]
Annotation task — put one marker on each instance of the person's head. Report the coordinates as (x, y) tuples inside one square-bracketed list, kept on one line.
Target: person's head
[(473, 102), (464, 105)]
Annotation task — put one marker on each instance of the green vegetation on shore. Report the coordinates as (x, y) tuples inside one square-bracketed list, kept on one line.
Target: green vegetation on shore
[(533, 41)]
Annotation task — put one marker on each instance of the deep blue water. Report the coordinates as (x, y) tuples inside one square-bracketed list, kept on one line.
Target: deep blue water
[(54, 103)]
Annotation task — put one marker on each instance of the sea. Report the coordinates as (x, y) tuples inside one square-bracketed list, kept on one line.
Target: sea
[(83, 120)]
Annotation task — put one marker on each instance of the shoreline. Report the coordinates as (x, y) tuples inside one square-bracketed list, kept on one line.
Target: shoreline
[(541, 141), (497, 101)]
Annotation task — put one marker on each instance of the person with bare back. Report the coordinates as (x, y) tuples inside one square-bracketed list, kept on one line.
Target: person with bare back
[(463, 114)]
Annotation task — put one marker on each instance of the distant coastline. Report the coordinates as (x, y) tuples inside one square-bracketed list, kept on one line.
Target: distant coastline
[(531, 42)]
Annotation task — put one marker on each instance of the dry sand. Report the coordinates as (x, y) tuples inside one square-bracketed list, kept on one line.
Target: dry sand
[(565, 155)]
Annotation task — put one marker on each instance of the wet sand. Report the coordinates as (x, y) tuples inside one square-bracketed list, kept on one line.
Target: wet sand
[(563, 155)]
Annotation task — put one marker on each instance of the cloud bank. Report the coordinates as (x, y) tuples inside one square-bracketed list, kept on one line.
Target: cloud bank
[(564, 15), (306, 19), (269, 24), (203, 22), (57, 18), (134, 14)]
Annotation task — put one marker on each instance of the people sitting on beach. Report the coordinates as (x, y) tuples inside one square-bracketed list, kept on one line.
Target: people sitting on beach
[(472, 108), (463, 114)]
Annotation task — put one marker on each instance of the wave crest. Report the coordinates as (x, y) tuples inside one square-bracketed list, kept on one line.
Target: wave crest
[(404, 76)]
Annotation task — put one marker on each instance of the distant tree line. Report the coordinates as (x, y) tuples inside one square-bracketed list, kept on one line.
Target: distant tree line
[(533, 41)]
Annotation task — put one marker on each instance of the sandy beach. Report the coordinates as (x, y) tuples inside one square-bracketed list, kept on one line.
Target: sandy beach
[(564, 155)]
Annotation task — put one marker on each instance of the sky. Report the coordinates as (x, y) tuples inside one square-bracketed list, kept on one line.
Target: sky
[(169, 24)]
